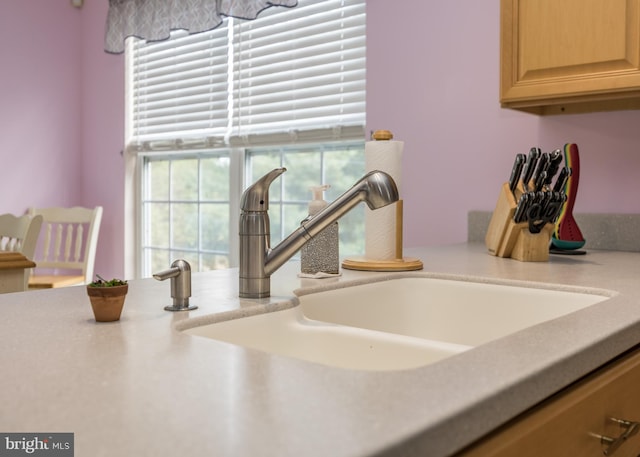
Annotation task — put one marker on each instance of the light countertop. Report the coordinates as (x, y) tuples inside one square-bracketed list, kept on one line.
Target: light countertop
[(140, 387)]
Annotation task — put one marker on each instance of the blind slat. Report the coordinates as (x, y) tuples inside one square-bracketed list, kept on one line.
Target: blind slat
[(254, 82)]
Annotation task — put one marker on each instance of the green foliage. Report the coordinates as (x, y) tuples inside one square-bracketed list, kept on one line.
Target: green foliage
[(101, 282)]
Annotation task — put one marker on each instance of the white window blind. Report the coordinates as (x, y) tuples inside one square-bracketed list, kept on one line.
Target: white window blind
[(295, 75)]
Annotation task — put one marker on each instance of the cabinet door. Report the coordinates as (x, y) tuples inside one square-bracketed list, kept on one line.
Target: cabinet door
[(564, 53), (572, 422)]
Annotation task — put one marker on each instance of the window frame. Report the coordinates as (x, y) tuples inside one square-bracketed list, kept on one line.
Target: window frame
[(134, 169)]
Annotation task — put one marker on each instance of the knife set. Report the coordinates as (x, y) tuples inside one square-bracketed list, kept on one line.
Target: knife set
[(528, 206)]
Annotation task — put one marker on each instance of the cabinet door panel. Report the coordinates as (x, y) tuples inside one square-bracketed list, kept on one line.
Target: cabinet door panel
[(571, 422), (555, 51), (571, 37)]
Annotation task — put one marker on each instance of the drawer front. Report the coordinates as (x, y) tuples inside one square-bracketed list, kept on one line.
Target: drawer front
[(572, 422)]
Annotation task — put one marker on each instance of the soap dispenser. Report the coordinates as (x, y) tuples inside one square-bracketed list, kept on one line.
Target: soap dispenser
[(320, 254)]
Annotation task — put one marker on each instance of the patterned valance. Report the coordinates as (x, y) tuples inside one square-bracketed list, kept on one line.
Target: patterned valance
[(153, 20)]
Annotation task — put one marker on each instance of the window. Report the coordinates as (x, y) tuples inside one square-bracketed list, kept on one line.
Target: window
[(339, 165), (185, 209), (209, 113)]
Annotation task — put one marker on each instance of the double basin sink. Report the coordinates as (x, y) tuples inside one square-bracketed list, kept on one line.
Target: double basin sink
[(399, 322)]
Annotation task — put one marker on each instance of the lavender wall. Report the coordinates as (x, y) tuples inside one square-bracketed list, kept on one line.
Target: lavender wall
[(103, 137), (432, 78), (39, 104), (62, 115)]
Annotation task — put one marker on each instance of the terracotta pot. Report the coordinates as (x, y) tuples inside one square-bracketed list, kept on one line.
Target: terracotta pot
[(107, 302)]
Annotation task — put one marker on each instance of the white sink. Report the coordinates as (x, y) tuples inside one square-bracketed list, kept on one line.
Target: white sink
[(399, 323), (290, 333), (461, 312)]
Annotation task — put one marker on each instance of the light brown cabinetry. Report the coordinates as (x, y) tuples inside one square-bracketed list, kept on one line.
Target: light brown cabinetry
[(572, 422), (564, 56)]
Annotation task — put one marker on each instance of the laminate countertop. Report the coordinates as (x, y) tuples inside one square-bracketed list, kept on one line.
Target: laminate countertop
[(140, 387)]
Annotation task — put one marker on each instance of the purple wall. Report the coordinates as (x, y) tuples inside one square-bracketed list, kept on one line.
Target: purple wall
[(432, 78), (103, 137), (40, 104), (62, 115)]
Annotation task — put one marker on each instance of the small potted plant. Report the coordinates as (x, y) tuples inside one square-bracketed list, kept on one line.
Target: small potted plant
[(107, 298)]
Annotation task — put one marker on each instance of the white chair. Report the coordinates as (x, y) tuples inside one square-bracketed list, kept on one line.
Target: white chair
[(20, 234), (67, 248)]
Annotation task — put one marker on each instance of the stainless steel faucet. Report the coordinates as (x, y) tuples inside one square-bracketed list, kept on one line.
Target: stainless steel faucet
[(258, 261), (180, 275)]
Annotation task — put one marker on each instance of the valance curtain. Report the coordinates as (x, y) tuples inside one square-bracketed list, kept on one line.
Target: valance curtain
[(153, 20)]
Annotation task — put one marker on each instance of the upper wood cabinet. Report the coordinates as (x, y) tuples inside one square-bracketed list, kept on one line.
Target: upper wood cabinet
[(568, 56)]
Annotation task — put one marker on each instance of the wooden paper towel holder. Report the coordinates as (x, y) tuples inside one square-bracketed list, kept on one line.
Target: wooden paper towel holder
[(400, 263)]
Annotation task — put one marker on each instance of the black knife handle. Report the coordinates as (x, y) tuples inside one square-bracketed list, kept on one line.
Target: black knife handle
[(516, 171), (540, 179), (534, 155), (543, 163), (555, 159), (563, 176), (521, 208)]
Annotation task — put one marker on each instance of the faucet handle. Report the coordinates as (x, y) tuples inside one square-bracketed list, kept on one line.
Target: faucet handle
[(180, 275), (256, 196)]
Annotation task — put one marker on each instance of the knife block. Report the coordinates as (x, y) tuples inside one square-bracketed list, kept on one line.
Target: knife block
[(505, 238), (532, 247)]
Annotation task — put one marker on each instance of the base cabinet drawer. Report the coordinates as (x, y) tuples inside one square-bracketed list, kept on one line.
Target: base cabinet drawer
[(597, 416)]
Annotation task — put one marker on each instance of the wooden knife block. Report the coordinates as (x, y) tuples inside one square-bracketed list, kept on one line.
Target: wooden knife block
[(505, 238)]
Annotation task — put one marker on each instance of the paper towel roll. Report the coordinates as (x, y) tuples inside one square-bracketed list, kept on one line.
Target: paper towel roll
[(380, 225)]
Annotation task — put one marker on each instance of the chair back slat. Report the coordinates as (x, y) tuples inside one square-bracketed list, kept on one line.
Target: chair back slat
[(67, 243), (77, 253), (75, 235), (47, 242), (20, 234), (10, 244), (58, 244)]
